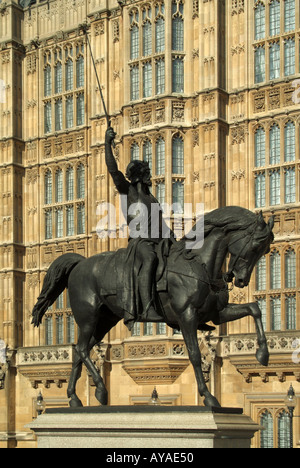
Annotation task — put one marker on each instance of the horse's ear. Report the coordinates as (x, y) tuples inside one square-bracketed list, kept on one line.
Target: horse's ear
[(271, 223), (260, 219)]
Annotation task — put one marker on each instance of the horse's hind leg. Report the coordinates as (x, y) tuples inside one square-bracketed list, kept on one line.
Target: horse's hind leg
[(91, 333), (83, 350), (75, 402)]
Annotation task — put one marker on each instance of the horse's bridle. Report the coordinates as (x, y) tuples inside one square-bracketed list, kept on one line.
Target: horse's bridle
[(233, 261)]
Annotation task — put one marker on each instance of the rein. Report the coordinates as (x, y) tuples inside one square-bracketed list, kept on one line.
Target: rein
[(229, 274)]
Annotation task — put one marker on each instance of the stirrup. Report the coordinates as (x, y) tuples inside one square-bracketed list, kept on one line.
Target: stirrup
[(153, 316)]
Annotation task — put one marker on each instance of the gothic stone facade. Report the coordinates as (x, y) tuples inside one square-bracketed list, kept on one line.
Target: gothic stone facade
[(207, 91)]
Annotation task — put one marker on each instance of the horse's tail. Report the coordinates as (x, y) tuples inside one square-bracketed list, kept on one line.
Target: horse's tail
[(55, 282)]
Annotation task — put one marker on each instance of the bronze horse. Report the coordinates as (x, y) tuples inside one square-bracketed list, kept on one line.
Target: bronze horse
[(196, 291)]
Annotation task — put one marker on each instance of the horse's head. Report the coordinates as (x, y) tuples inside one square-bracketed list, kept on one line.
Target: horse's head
[(247, 247)]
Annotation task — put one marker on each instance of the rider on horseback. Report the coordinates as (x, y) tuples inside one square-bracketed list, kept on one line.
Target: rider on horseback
[(137, 192)]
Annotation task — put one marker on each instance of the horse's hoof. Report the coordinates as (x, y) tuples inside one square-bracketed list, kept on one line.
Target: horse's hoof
[(75, 402), (210, 400), (262, 355), (102, 396)]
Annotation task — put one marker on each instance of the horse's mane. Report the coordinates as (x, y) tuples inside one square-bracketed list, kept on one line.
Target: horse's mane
[(229, 218)]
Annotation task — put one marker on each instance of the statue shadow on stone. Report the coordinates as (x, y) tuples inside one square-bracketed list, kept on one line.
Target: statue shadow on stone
[(194, 290)]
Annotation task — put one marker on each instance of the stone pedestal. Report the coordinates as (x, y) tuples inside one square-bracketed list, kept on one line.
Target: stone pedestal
[(136, 427)]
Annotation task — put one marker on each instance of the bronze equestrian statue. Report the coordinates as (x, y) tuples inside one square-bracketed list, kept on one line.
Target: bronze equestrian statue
[(192, 289)]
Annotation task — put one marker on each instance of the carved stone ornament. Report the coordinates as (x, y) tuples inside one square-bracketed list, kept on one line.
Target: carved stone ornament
[(46, 365), (156, 362), (240, 349)]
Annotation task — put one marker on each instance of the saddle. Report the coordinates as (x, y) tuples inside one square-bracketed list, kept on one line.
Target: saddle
[(126, 267)]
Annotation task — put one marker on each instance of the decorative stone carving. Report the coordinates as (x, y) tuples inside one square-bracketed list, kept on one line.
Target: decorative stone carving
[(178, 111), (238, 135), (155, 362), (240, 350), (46, 364)]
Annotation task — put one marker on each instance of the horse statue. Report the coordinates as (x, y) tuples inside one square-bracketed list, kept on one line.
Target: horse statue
[(195, 293)]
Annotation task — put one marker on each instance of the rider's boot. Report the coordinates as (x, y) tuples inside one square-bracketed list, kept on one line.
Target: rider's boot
[(150, 315)]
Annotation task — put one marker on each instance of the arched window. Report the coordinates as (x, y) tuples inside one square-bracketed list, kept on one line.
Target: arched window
[(289, 57), (70, 111), (275, 187), (267, 436), (58, 78), (276, 324), (70, 184), (274, 61), (291, 312), (160, 34), (160, 76), (48, 117), (134, 83), (160, 156), (260, 21), (59, 186), (81, 218), (289, 15), (59, 222), (284, 430), (290, 269), (81, 181), (47, 81), (261, 274), (49, 331), (70, 220), (274, 18), (260, 65), (147, 38), (178, 75), (69, 75), (48, 188), (147, 79), (135, 152), (260, 190), (177, 26), (290, 185), (134, 35), (147, 153), (178, 197), (177, 156), (58, 115), (48, 224), (289, 142), (59, 329), (275, 145), (275, 270), (260, 147), (80, 109), (161, 192), (80, 72)]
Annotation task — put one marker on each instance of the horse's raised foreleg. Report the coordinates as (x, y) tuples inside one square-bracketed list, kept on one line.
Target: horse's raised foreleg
[(188, 325), (237, 311)]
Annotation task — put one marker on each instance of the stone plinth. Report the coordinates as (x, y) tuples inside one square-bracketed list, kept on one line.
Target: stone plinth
[(144, 427)]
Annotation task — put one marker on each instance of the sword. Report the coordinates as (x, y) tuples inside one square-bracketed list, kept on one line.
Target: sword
[(85, 28)]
